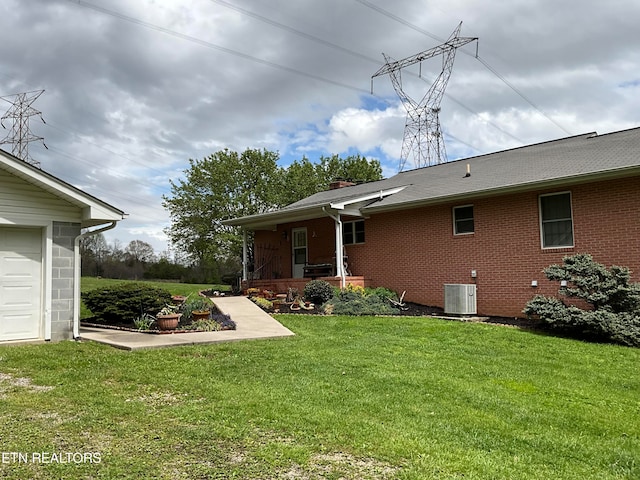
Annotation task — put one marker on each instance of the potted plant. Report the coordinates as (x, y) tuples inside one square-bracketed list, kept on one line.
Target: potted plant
[(178, 299), (168, 318), (198, 308)]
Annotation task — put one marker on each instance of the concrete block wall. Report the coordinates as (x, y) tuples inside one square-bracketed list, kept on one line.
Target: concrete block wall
[(62, 286)]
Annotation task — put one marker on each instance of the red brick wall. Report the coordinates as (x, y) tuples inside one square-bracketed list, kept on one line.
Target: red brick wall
[(416, 250)]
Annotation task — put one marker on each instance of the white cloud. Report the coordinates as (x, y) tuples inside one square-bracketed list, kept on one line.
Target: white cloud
[(129, 100), (367, 130)]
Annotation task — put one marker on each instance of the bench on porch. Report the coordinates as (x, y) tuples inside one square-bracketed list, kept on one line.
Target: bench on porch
[(316, 270)]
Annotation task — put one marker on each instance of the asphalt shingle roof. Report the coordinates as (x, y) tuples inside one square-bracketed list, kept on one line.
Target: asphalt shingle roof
[(559, 162)]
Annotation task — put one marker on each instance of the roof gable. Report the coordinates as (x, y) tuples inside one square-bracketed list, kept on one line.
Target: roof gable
[(66, 196)]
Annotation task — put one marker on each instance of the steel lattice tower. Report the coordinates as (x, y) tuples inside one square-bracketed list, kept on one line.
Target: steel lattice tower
[(422, 135), (20, 136)]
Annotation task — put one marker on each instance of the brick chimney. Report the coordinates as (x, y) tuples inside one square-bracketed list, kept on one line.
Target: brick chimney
[(340, 184)]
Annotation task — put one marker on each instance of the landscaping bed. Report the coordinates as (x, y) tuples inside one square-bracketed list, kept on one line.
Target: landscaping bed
[(147, 308), (224, 322)]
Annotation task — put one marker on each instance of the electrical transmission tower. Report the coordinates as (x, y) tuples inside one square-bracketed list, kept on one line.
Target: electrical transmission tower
[(20, 136), (422, 134)]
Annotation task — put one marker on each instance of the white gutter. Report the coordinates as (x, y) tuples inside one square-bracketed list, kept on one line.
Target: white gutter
[(379, 195), (77, 273), (339, 248)]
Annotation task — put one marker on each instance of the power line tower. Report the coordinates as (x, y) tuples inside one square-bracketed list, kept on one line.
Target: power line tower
[(422, 134), (20, 136)]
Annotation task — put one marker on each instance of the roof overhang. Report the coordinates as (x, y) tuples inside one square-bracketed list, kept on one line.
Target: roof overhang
[(347, 206), (94, 211)]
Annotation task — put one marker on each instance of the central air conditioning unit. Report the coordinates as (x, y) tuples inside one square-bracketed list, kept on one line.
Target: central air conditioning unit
[(460, 299)]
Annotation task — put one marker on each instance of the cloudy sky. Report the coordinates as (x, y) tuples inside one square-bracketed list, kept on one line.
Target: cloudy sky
[(133, 89)]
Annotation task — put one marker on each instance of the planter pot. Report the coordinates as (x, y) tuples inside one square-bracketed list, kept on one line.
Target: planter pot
[(168, 322), (178, 299), (200, 315)]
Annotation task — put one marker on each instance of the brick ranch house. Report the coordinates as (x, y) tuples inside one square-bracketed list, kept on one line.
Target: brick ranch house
[(41, 220), (493, 221)]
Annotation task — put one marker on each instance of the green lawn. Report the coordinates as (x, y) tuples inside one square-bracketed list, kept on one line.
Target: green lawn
[(353, 398)]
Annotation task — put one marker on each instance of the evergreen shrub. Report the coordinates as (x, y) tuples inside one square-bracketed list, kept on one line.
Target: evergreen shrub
[(125, 302), (318, 291), (355, 301), (614, 313)]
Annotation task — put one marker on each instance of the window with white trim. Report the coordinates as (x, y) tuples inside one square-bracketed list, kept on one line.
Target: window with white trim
[(353, 232), (463, 220), (556, 220)]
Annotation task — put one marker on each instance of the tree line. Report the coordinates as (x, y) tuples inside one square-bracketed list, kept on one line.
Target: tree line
[(223, 185), (136, 261)]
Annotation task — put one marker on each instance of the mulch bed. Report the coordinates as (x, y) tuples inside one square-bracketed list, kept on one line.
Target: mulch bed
[(417, 310), (126, 327)]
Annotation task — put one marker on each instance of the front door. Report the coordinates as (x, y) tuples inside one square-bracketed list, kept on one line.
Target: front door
[(299, 247), (20, 280)]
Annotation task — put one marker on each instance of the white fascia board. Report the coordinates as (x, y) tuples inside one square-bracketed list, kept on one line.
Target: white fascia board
[(365, 198), (95, 215)]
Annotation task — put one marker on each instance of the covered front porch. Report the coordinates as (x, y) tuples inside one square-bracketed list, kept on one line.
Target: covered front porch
[(308, 240)]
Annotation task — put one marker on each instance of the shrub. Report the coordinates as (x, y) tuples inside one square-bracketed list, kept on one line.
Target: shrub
[(615, 301), (125, 302), (144, 321), (318, 291), (356, 289), (354, 301), (218, 321), (204, 325), (382, 292), (263, 303)]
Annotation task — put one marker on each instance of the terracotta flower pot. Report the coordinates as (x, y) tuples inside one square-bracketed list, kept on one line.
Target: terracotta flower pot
[(200, 315), (168, 322), (178, 299)]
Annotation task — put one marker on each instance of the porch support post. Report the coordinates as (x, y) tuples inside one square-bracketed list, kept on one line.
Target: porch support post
[(245, 255), (339, 249)]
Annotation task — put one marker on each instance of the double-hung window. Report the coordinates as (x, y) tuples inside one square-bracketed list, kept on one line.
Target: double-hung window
[(556, 221), (353, 232), (463, 220)]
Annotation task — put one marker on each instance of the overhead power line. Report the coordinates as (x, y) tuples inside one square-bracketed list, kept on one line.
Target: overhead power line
[(281, 26), (353, 53), (213, 46), (396, 18)]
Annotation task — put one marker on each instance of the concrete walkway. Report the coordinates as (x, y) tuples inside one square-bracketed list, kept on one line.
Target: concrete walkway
[(251, 323)]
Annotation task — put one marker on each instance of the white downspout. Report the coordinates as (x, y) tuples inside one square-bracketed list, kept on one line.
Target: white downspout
[(77, 273), (339, 248)]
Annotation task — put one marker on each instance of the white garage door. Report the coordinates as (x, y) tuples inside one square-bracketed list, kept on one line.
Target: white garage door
[(20, 283)]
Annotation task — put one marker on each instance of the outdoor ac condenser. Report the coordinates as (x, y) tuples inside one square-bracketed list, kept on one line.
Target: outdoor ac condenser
[(460, 299)]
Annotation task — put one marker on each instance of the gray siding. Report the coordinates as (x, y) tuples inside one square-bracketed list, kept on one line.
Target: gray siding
[(64, 234)]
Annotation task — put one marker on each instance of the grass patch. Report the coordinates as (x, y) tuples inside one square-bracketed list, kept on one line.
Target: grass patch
[(347, 397)]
